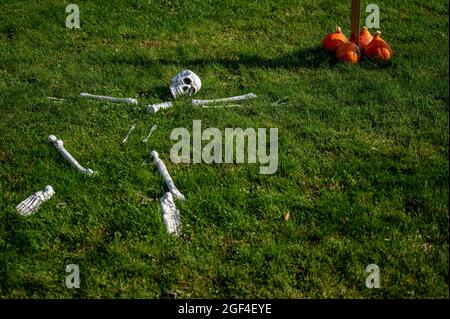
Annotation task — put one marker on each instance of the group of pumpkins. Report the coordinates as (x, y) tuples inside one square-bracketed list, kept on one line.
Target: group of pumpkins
[(373, 47)]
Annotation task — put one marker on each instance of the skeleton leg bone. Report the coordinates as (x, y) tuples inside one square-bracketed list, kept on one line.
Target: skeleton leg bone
[(110, 98), (165, 174), (59, 145), (33, 202), (171, 215)]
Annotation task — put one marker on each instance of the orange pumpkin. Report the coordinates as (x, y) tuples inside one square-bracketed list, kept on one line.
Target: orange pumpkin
[(378, 48), (364, 38), (332, 41), (349, 52)]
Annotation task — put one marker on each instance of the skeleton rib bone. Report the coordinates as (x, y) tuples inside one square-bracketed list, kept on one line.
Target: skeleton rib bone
[(110, 98), (171, 215), (150, 133), (165, 174), (33, 202), (129, 133), (59, 145)]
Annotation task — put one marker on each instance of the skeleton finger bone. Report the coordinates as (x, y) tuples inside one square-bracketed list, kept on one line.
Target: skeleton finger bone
[(167, 178), (150, 133), (110, 98), (33, 202), (59, 145), (129, 133), (229, 99), (171, 215)]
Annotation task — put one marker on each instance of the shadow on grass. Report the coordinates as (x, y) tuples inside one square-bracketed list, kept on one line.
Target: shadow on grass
[(304, 58), (309, 58)]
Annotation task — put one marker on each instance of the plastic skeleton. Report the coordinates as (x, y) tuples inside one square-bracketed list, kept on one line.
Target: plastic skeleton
[(33, 202), (59, 145)]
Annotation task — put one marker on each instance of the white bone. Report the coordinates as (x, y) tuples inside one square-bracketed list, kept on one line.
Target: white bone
[(55, 99), (110, 98), (229, 99), (171, 215), (59, 145), (129, 132), (33, 202), (153, 108), (150, 133), (185, 83), (219, 106), (166, 176)]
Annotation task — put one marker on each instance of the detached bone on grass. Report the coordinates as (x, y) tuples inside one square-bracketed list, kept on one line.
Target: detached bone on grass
[(153, 108), (150, 133), (225, 100), (109, 98), (166, 176), (171, 215), (129, 133), (59, 145), (33, 202)]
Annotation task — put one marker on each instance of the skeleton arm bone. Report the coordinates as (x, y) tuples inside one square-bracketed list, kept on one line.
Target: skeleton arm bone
[(110, 98), (229, 99)]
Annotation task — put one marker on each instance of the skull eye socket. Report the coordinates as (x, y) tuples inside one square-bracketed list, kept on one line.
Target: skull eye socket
[(187, 81), (191, 91)]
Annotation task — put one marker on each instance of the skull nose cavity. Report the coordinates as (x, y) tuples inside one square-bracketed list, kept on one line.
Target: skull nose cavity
[(185, 88)]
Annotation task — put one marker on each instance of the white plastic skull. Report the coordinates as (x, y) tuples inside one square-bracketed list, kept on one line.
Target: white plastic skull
[(185, 83)]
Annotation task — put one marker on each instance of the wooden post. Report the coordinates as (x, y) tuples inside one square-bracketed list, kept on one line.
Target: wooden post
[(356, 17)]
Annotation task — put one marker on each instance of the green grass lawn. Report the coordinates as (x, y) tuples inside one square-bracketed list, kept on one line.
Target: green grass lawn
[(363, 151)]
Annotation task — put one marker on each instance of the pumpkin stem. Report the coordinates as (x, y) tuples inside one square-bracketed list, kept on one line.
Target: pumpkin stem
[(378, 33), (338, 29)]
